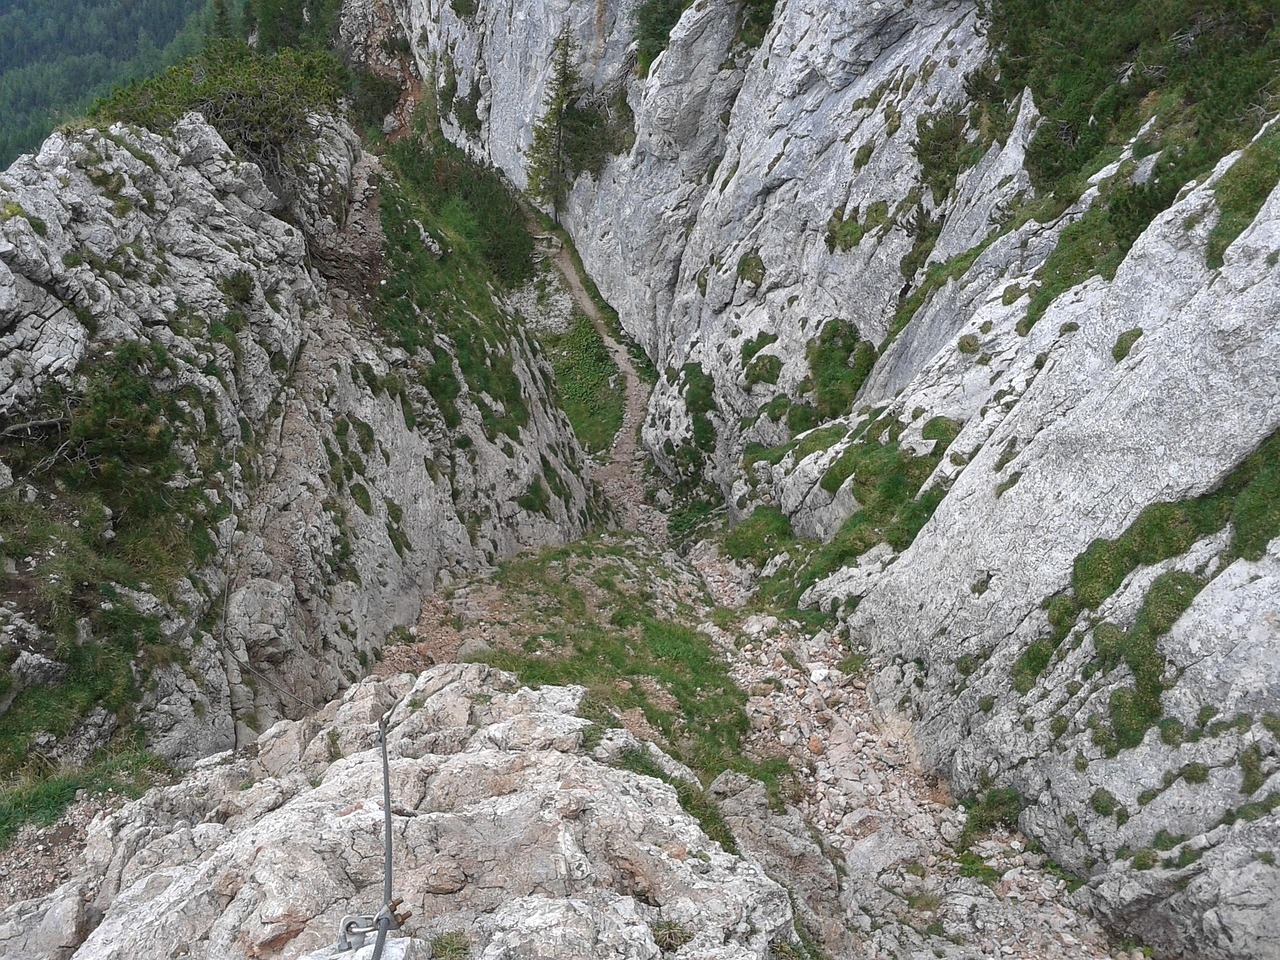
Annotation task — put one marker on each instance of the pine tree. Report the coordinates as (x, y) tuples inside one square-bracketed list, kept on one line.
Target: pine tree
[(550, 164), (221, 20)]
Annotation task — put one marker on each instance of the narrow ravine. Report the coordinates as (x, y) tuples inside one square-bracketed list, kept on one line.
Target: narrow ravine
[(880, 858)]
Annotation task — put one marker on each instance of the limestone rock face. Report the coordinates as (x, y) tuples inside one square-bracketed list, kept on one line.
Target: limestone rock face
[(505, 834), (336, 495)]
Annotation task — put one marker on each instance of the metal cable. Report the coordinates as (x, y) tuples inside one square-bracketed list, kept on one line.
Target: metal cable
[(388, 908)]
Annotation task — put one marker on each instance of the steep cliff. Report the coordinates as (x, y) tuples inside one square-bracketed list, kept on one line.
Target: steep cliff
[(1041, 490), (243, 439)]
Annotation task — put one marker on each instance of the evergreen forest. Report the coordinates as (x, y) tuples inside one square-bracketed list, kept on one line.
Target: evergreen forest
[(56, 56)]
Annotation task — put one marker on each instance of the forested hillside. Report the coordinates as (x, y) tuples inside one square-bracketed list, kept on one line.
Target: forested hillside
[(57, 55)]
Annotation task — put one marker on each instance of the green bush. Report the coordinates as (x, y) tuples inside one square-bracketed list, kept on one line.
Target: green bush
[(259, 103), (757, 15), (1097, 69), (943, 151)]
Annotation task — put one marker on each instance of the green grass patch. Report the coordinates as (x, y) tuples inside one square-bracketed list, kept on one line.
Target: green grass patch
[(41, 800), (753, 346), (444, 309), (692, 798), (998, 807), (589, 384), (1249, 499), (839, 363), (759, 538), (1135, 710), (764, 370), (936, 277), (972, 865), (887, 480), (628, 656), (1242, 191), (1063, 611), (113, 508), (751, 268), (1124, 343)]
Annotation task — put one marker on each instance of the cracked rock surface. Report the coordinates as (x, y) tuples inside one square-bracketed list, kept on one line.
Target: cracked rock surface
[(504, 829)]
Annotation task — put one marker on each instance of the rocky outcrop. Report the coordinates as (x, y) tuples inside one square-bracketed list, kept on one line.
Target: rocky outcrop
[(508, 837), (327, 492)]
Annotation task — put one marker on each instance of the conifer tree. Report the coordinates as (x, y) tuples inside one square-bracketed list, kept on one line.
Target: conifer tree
[(550, 164), (221, 20)]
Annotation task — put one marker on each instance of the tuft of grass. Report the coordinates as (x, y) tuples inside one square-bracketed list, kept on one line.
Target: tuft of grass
[(972, 865), (999, 807), (693, 799), (451, 946), (1124, 343), (670, 936), (753, 346), (1103, 803), (1253, 777), (925, 902), (765, 369)]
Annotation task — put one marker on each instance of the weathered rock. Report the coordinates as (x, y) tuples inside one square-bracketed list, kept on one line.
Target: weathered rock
[(503, 832)]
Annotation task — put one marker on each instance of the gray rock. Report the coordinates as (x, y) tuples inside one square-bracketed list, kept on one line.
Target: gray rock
[(527, 848)]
